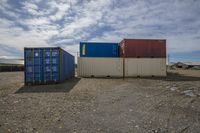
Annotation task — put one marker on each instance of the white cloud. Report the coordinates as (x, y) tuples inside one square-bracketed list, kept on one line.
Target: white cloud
[(88, 14), (6, 9), (37, 21), (62, 9), (31, 8), (66, 22), (17, 38), (161, 20), (28, 5)]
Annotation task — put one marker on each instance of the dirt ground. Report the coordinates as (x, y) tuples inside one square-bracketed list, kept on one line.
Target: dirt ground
[(88, 105)]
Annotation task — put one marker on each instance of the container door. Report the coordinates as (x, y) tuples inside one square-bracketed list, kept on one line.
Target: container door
[(131, 67), (51, 65), (33, 65)]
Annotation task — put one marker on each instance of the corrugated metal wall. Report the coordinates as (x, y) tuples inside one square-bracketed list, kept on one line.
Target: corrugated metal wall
[(47, 65), (142, 48), (144, 67), (100, 67), (99, 49), (139, 57), (113, 67)]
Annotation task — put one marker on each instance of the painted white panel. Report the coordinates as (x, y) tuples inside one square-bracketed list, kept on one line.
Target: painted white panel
[(145, 67), (100, 67)]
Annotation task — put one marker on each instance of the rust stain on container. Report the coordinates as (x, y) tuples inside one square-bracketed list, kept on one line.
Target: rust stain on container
[(143, 48)]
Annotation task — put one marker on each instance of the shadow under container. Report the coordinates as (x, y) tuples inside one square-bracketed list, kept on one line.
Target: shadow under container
[(47, 65)]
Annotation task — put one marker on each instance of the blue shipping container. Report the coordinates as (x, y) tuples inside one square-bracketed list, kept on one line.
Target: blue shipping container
[(47, 65), (94, 49)]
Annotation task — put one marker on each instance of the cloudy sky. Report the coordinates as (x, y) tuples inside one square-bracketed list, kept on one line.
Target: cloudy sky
[(65, 23)]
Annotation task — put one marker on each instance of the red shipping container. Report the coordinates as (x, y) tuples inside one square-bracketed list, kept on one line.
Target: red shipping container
[(143, 48)]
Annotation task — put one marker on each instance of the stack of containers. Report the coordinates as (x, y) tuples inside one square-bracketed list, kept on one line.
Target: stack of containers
[(143, 57), (47, 65), (99, 60)]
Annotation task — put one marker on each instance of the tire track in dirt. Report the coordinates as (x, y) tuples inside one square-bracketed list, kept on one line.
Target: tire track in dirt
[(171, 114), (153, 108)]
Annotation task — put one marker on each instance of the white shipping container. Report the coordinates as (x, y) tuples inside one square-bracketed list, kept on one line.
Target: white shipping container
[(144, 67), (100, 67)]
